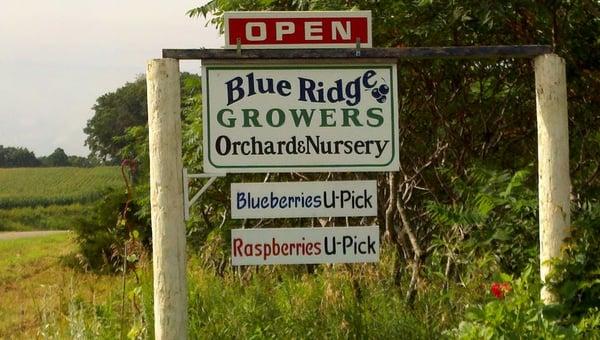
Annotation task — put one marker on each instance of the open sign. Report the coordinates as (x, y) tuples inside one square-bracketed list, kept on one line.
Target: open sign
[(341, 29)]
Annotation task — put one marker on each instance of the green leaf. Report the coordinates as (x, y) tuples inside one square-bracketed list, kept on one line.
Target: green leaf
[(501, 235)]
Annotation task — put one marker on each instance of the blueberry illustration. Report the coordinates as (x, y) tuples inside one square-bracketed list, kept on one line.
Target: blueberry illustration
[(382, 99), (384, 89), (376, 93)]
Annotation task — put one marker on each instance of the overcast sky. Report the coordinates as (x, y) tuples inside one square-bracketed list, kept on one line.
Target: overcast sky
[(58, 56)]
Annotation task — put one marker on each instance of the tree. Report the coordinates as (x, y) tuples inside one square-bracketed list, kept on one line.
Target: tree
[(56, 158), (114, 113), (117, 112), (93, 234), (80, 162), (11, 157), (456, 116)]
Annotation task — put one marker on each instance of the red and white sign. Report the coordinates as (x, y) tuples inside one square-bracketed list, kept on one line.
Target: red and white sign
[(335, 29), (304, 245)]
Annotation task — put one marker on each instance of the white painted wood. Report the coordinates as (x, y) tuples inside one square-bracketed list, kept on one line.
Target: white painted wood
[(553, 160), (166, 195)]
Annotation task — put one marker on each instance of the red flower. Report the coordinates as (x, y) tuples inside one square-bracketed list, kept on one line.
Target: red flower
[(499, 290)]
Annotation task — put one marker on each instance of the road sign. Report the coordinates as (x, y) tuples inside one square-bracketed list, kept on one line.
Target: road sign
[(304, 199), (304, 245), (334, 29), (305, 118)]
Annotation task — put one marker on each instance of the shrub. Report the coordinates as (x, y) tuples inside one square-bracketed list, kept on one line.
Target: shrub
[(517, 313), (102, 234), (575, 278)]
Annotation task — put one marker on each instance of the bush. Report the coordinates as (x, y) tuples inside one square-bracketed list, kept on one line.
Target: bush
[(575, 278), (516, 313), (103, 233)]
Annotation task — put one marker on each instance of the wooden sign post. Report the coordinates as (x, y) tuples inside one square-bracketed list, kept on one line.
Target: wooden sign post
[(166, 199), (553, 160)]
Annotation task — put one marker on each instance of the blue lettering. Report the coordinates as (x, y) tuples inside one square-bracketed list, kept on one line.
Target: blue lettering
[(241, 200), (234, 90), (307, 86)]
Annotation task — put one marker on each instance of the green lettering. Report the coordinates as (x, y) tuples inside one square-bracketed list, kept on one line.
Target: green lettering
[(374, 113), (230, 122), (250, 115), (350, 114), (303, 115), (326, 116), (281, 118)]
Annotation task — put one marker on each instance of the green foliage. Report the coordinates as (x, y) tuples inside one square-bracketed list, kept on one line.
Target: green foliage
[(25, 187), (329, 301), (102, 233), (575, 278), (493, 213), (60, 159), (516, 316), (56, 158), (50, 198), (83, 162), (105, 321), (114, 113), (44, 294), (11, 157), (134, 143), (53, 217), (276, 302), (100, 236)]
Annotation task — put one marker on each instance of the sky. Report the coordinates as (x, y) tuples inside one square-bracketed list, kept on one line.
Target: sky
[(58, 56)]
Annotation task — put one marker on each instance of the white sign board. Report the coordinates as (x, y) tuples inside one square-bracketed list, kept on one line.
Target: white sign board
[(304, 199), (302, 118), (289, 29), (304, 245)]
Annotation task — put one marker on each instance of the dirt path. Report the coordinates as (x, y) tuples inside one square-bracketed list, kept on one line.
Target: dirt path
[(11, 235)]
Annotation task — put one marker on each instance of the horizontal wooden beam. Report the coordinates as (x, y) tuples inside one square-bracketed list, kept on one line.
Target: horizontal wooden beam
[(481, 52)]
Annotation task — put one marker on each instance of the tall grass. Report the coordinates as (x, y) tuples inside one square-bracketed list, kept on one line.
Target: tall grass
[(330, 304), (44, 294), (357, 301), (20, 187), (288, 302)]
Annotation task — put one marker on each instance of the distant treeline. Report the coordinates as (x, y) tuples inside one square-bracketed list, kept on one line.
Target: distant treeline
[(18, 157)]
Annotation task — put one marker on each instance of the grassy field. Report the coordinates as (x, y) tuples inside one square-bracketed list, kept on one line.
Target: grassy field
[(43, 296), (54, 217), (27, 187), (50, 198), (40, 291)]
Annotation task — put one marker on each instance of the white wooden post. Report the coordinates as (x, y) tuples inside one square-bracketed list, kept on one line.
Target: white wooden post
[(166, 196), (553, 160)]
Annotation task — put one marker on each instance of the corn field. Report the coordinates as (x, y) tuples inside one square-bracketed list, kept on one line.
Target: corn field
[(27, 187)]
